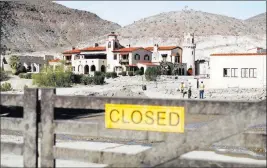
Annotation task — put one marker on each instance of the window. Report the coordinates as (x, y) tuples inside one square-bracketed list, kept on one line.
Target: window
[(252, 72), (176, 59), (164, 57), (146, 57), (73, 68), (244, 73), (137, 57), (234, 72), (115, 56), (226, 72), (192, 52), (109, 44)]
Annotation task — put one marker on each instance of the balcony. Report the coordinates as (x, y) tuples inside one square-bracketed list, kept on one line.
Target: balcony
[(124, 61)]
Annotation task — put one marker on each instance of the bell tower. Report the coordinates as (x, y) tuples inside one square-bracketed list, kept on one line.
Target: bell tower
[(189, 47)]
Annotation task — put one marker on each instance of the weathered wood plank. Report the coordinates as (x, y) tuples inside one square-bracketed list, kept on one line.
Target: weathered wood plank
[(47, 119), (30, 131), (14, 124), (113, 159), (11, 100), (191, 106), (12, 148)]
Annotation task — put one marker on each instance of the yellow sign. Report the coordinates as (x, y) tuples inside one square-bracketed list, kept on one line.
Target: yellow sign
[(146, 118)]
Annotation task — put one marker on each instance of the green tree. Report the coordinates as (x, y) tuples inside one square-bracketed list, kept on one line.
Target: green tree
[(152, 73), (14, 63)]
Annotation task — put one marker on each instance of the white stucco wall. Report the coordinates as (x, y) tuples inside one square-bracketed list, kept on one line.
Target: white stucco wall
[(142, 53), (217, 63), (97, 62)]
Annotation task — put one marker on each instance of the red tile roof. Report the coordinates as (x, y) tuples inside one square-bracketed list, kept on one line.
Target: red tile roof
[(55, 60), (129, 49), (163, 48), (99, 48), (75, 51), (238, 54), (133, 65), (147, 63)]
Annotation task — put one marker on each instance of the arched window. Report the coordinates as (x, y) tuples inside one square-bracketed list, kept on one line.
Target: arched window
[(92, 68), (137, 57), (86, 69), (103, 68), (146, 57)]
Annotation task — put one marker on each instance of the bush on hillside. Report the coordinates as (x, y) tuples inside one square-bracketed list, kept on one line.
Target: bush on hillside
[(152, 73), (96, 80), (5, 87)]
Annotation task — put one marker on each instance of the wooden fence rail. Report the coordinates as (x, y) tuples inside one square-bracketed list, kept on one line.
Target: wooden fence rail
[(237, 113)]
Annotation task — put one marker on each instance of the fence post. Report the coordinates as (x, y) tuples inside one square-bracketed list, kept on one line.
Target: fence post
[(30, 132), (47, 134)]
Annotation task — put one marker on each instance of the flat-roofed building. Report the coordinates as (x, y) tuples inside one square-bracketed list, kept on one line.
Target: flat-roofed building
[(242, 70)]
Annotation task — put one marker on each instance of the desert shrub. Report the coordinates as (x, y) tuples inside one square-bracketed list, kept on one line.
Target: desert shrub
[(123, 73), (86, 80), (139, 72), (111, 75), (5, 87), (131, 73), (3, 75), (28, 75), (50, 78), (98, 73), (22, 75), (76, 78), (98, 80), (25, 75), (152, 73), (14, 63)]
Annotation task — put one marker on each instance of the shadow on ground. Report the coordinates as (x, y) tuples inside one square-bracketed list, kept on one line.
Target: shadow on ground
[(59, 113)]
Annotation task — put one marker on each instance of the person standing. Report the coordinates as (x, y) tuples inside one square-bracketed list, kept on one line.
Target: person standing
[(189, 91), (182, 86), (201, 90)]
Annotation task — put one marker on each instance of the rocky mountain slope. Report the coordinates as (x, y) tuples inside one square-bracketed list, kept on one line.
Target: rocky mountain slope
[(52, 27), (258, 23), (213, 33), (43, 25)]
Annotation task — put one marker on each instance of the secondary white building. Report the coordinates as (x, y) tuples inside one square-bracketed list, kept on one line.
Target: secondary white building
[(243, 70)]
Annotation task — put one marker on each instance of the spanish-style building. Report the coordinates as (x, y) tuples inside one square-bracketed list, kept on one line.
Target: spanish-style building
[(113, 57)]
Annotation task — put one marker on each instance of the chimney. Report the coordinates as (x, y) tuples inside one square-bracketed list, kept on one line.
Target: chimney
[(156, 46), (73, 48), (96, 44), (129, 46), (112, 32)]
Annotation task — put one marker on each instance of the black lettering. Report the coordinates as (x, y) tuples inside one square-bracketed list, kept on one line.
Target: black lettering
[(132, 118), (159, 118), (150, 117), (111, 115), (171, 118), (123, 118)]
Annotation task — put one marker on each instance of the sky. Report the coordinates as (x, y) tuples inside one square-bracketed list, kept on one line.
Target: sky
[(126, 12)]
